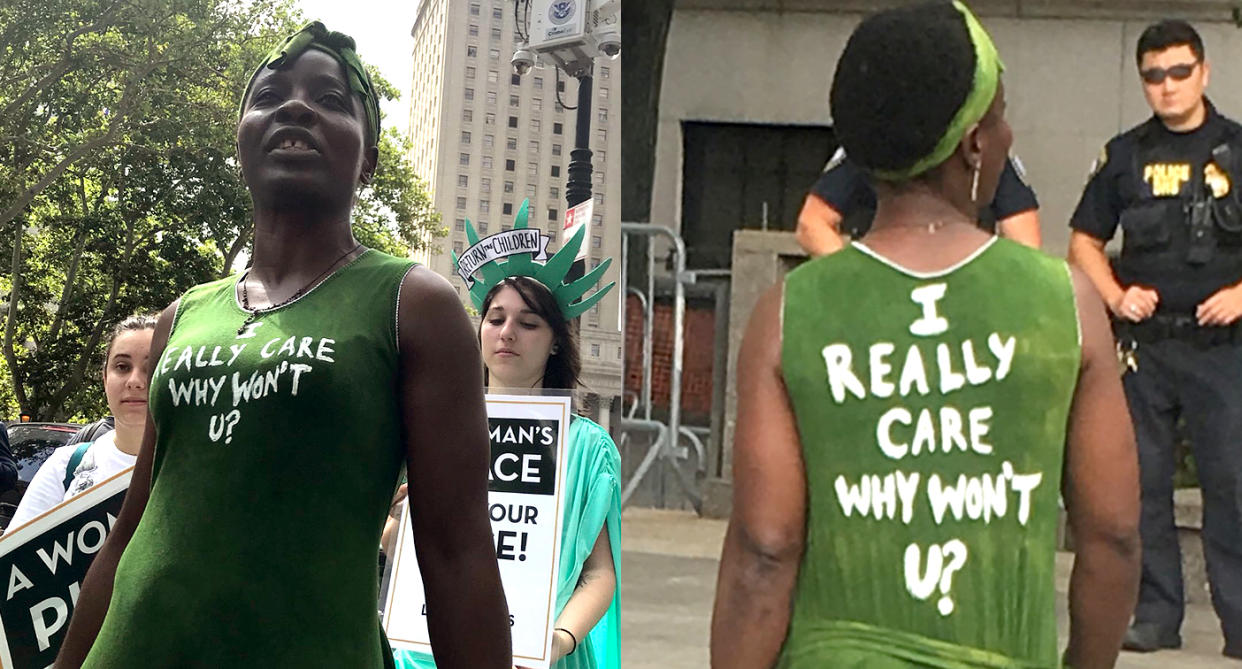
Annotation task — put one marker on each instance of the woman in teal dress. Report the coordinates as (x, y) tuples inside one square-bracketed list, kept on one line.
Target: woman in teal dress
[(527, 341)]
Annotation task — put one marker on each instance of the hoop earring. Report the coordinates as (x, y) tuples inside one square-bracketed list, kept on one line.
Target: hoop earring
[(974, 186)]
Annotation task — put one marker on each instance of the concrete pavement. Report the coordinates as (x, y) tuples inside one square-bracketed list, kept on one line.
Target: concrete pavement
[(668, 581)]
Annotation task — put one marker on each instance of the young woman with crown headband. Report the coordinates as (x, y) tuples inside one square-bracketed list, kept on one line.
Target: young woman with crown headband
[(283, 405), (528, 343)]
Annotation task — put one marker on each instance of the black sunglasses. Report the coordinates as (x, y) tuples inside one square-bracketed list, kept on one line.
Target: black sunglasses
[(1156, 75)]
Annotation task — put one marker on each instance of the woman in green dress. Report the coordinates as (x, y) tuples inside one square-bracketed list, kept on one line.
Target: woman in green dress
[(283, 406), (910, 407)]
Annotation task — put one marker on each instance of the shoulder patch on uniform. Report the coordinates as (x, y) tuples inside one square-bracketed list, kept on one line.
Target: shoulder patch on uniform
[(1018, 168), (1100, 161), (837, 158)]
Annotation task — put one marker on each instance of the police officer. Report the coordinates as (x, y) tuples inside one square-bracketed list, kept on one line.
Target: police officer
[(843, 202), (1176, 300)]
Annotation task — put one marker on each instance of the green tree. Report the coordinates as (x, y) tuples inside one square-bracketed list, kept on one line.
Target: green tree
[(119, 187)]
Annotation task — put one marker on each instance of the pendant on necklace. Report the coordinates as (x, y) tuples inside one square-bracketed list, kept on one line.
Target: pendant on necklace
[(246, 323)]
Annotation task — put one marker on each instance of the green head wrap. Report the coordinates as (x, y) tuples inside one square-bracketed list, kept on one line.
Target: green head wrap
[(524, 253), (341, 47), (988, 67)]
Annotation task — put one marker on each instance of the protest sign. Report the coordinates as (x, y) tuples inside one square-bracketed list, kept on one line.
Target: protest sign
[(529, 436), (43, 563)]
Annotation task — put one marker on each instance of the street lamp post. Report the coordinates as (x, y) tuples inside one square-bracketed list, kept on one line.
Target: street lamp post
[(578, 186)]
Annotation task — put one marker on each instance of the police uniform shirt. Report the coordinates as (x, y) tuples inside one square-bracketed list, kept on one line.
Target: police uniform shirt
[(1143, 181), (847, 189)]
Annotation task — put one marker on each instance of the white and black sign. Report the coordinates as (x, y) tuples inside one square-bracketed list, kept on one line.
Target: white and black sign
[(42, 564), (525, 500), (501, 245)]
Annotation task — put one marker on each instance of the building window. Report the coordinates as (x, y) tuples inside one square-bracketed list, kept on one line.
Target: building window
[(487, 162), (485, 184), (530, 190), (467, 115), (601, 155), (490, 119), (492, 76), (493, 54), (556, 149), (597, 219), (488, 140), (597, 241), (594, 350), (474, 9), (534, 146), (507, 208), (511, 143), (461, 203), (599, 199), (465, 136), (504, 227), (457, 248), (556, 170), (495, 33), (509, 165), (485, 206), (558, 128), (460, 225), (512, 121), (539, 83), (603, 93), (601, 135), (463, 159), (491, 98), (603, 72), (551, 214), (462, 181), (482, 227), (470, 70), (513, 100), (560, 87), (474, 30), (603, 115), (515, 80), (508, 186), (469, 93), (532, 170), (472, 51), (497, 12), (535, 124), (537, 104)]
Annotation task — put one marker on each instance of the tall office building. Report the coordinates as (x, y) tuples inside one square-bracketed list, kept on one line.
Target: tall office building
[(486, 139)]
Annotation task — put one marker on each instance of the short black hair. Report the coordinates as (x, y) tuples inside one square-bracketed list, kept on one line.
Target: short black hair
[(1167, 34), (902, 78)]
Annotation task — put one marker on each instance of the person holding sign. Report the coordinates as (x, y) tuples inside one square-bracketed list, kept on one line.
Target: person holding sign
[(910, 407), (73, 468), (528, 342), (248, 535)]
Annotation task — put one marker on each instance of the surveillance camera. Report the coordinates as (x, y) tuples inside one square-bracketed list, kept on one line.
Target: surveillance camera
[(610, 45), (522, 61)]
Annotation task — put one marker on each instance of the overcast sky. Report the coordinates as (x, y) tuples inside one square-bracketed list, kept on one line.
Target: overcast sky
[(382, 29)]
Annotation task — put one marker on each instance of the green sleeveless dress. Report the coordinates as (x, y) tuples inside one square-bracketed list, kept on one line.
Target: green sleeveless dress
[(276, 456), (932, 413)]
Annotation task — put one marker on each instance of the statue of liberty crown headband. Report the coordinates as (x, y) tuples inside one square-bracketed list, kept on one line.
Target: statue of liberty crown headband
[(524, 252)]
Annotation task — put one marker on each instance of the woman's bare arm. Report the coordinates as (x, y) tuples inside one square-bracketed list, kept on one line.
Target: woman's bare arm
[(448, 451), (1102, 495), (767, 530), (96, 593), (591, 598)]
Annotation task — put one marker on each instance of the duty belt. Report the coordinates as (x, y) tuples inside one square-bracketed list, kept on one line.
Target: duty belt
[(1180, 327)]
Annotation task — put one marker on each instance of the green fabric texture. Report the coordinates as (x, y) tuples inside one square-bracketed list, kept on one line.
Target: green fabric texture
[(593, 498), (905, 387), (257, 547), (341, 47), (988, 67)]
